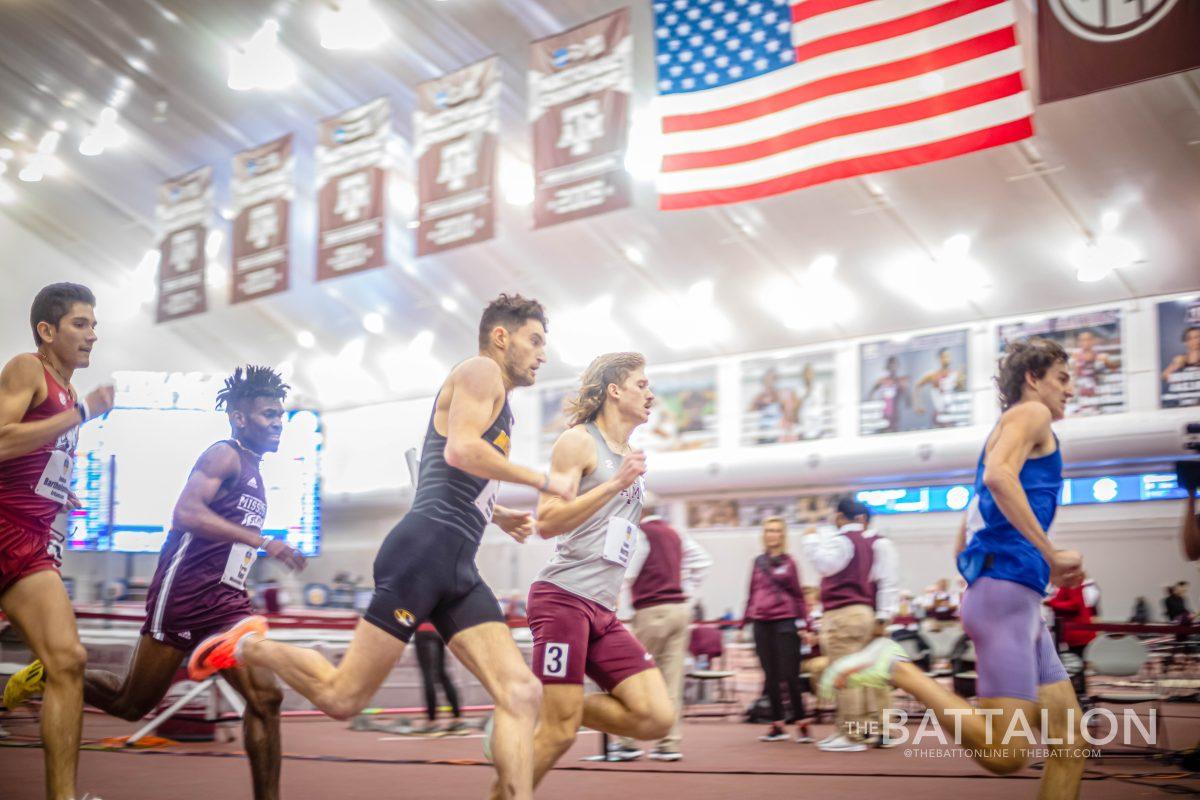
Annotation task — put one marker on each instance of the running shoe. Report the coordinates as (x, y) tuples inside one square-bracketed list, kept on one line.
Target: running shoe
[(220, 651), (869, 668), (776, 734), (842, 744), (665, 755), (619, 752), (803, 736), (25, 684)]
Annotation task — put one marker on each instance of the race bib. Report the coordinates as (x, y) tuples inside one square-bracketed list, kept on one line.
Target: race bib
[(237, 567), (619, 541), (486, 502), (55, 481)]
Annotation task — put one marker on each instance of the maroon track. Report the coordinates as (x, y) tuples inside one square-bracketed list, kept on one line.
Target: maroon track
[(723, 760)]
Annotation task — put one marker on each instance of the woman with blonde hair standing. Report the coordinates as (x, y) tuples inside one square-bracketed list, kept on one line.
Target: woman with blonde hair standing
[(777, 611)]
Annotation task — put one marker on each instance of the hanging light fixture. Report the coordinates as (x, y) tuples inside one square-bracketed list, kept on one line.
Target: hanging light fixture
[(261, 63), (351, 25)]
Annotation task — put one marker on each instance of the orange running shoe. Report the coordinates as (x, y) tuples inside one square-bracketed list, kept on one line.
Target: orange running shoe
[(218, 652)]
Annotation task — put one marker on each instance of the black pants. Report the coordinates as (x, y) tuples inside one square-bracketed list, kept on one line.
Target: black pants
[(431, 655), (778, 648)]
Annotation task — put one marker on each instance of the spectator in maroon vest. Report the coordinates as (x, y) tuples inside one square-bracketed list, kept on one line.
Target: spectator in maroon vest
[(846, 562), (663, 578), (777, 611)]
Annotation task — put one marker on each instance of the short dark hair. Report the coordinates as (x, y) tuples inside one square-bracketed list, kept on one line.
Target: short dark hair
[(249, 382), (510, 311), (1036, 355), (1187, 330), (54, 302), (849, 507)]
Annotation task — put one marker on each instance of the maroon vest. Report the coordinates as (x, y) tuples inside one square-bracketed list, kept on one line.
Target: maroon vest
[(853, 585), (661, 580)]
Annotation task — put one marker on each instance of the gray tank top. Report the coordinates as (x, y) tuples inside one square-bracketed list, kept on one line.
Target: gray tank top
[(590, 561)]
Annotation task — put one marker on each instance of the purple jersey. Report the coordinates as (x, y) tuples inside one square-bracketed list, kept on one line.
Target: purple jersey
[(200, 584)]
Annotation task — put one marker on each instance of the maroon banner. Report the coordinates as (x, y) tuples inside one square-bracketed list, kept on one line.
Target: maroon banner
[(183, 212), (455, 131), (580, 83), (1088, 45), (262, 202), (351, 178)]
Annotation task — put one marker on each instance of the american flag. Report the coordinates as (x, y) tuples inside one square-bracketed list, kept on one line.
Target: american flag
[(760, 97)]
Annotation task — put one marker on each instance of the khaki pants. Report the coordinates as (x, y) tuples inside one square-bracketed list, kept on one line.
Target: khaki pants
[(664, 632), (845, 631)]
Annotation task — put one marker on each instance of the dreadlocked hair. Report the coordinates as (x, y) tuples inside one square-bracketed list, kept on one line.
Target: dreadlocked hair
[(249, 382)]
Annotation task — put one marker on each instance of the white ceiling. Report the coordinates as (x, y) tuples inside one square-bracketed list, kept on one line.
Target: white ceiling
[(1135, 151)]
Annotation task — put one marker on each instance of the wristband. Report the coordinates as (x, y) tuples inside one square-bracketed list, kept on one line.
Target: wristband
[(263, 542), (545, 484), (81, 407)]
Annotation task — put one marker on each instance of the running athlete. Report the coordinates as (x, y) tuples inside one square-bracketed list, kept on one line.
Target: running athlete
[(944, 382), (199, 587), (426, 569), (1007, 563), (573, 600), (40, 415), (892, 388)]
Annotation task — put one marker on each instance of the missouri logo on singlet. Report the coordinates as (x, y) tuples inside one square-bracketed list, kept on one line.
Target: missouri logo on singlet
[(253, 509)]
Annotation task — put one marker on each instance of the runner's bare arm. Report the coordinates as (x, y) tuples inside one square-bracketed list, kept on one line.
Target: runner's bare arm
[(218, 464), (478, 385), (574, 454), (19, 382)]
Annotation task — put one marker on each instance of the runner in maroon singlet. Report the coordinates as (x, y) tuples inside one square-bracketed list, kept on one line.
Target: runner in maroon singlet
[(199, 586), (39, 417)]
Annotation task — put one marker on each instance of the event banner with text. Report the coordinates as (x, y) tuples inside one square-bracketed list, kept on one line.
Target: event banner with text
[(351, 179), (183, 212), (262, 189), (580, 84), (456, 128), (914, 383)]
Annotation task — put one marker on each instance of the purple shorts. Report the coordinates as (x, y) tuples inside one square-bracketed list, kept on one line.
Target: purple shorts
[(1014, 651), (573, 637), (183, 626)]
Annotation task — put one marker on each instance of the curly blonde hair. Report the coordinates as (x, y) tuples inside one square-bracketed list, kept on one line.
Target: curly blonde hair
[(593, 387)]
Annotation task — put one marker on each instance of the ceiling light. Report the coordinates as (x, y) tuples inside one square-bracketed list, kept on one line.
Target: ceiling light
[(634, 255), (449, 304), (1109, 221), (691, 320), (814, 299), (59, 125), (1095, 260), (643, 154), (412, 367), (516, 181), (212, 244), (31, 172), (49, 143), (261, 63), (951, 280), (351, 25), (5, 154), (104, 134), (575, 336), (305, 339), (373, 322)]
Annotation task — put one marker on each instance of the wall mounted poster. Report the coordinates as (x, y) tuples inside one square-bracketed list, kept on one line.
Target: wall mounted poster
[(1093, 341), (914, 383), (684, 416), (1179, 352), (787, 398)]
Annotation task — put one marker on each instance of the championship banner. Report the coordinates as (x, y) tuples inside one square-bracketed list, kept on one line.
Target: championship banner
[(262, 203), (580, 84), (455, 131), (1179, 352), (351, 177), (1093, 342), (183, 212), (1086, 46)]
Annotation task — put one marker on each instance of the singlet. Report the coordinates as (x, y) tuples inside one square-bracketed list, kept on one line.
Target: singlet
[(455, 498), (995, 548), (34, 487), (194, 570), (590, 561)]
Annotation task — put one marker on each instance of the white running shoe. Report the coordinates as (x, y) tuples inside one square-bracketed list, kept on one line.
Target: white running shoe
[(842, 744)]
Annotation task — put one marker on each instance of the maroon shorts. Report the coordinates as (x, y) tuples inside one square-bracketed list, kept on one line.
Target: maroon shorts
[(24, 551), (573, 637)]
